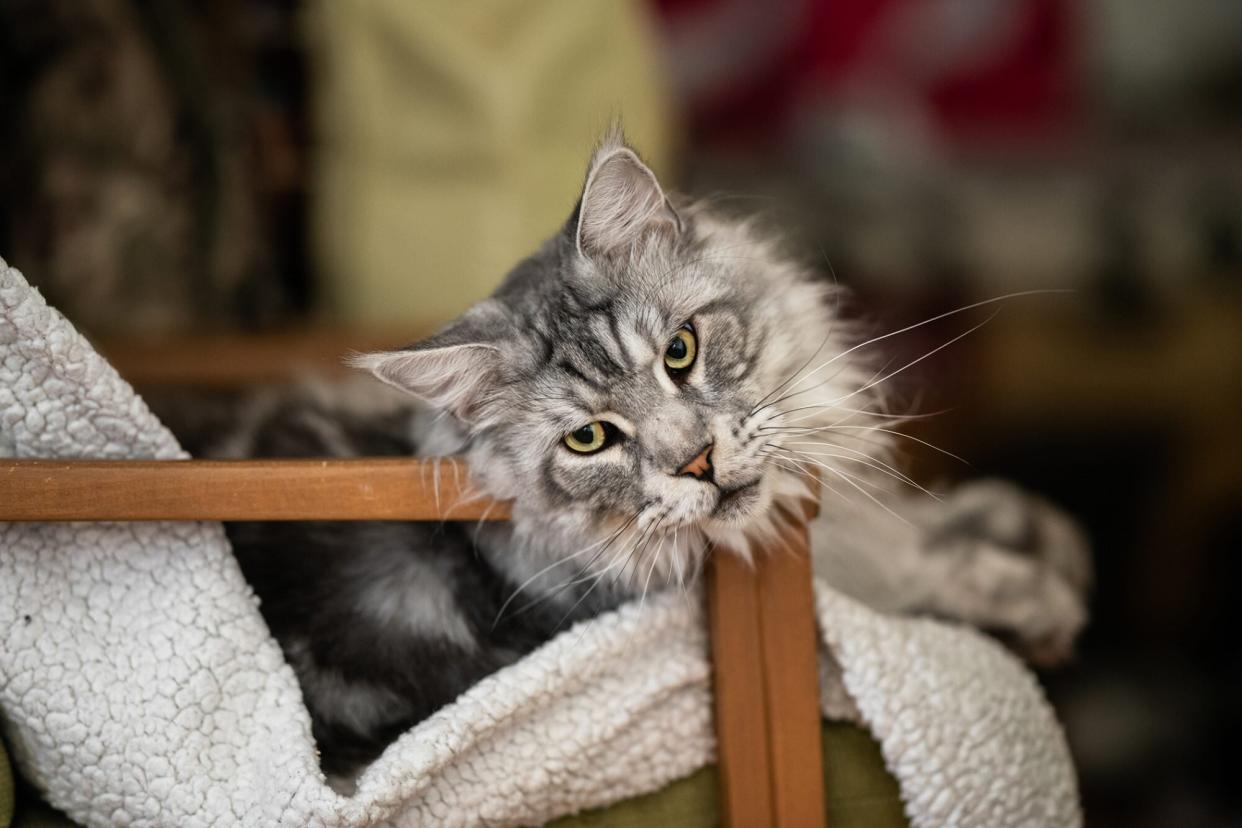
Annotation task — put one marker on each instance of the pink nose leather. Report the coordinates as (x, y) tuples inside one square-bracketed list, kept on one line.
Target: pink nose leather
[(700, 466)]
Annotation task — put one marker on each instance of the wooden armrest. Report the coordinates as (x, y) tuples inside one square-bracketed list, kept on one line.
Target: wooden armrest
[(327, 489)]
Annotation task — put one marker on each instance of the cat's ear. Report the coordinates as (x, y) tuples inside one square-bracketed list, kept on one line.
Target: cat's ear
[(622, 202), (453, 369)]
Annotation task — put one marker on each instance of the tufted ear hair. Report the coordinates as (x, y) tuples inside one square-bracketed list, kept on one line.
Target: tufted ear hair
[(454, 369), (621, 203)]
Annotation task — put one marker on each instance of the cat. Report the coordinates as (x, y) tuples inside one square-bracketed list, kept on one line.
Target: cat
[(655, 382)]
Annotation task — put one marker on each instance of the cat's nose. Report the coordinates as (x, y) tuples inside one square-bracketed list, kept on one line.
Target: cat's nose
[(701, 466)]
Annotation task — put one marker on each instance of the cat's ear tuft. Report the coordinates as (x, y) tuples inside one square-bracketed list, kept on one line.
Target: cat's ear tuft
[(622, 202), (453, 370)]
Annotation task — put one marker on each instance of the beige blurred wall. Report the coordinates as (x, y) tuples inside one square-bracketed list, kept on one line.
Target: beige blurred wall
[(451, 138)]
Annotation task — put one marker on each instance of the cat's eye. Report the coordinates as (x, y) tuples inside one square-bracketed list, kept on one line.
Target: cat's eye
[(591, 438), (681, 350)]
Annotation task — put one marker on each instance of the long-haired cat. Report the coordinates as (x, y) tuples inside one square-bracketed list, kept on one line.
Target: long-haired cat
[(649, 385)]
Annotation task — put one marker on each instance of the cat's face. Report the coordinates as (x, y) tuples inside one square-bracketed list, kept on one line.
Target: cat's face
[(627, 383)]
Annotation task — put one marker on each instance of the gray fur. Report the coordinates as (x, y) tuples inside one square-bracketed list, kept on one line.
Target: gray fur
[(386, 622)]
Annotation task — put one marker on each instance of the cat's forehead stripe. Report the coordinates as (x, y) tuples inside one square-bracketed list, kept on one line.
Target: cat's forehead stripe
[(595, 347), (569, 368), (615, 329), (603, 329)]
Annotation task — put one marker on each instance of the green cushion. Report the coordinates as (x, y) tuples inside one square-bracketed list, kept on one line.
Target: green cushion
[(20, 806), (34, 813), (6, 788), (858, 788), (859, 791)]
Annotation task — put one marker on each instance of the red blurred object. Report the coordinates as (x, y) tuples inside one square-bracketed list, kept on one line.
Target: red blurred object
[(976, 68)]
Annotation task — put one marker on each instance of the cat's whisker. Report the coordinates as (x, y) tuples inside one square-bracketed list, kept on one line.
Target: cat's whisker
[(820, 384), (818, 408), (464, 498), (655, 559), (809, 475), (792, 423), (840, 425), (897, 418), (928, 321), (836, 308), (867, 494), (696, 573), (821, 464), (758, 408), (864, 459), (637, 552), (595, 577), (931, 446), (914, 362), (513, 595), (611, 539), (759, 405), (828, 380), (478, 528), (435, 482), (810, 457), (861, 490), (623, 559), (818, 412), (851, 413), (678, 558), (791, 427), (643, 540), (788, 464)]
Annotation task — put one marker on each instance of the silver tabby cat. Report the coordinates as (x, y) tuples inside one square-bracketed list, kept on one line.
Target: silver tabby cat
[(650, 385)]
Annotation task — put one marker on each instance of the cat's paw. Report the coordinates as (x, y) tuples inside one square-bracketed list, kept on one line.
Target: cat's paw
[(1019, 567), (1011, 519)]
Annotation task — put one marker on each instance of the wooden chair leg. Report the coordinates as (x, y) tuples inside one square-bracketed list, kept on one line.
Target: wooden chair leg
[(791, 673), (740, 692), (764, 650)]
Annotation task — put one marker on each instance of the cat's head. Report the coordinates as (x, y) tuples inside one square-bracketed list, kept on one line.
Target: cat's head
[(635, 378)]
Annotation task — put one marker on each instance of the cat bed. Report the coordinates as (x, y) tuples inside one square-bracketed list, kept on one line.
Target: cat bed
[(139, 684)]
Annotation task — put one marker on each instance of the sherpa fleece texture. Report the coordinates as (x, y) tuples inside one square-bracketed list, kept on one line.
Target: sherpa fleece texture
[(139, 685)]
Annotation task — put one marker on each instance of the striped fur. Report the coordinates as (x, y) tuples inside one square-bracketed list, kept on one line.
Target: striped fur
[(386, 622)]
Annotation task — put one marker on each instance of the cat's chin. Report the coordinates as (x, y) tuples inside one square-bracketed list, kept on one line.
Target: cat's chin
[(750, 517), (740, 503), (739, 512)]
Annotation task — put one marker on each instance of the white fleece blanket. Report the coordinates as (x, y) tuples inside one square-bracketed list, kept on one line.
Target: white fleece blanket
[(139, 685)]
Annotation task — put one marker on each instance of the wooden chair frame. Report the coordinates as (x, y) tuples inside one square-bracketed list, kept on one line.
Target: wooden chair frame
[(764, 645)]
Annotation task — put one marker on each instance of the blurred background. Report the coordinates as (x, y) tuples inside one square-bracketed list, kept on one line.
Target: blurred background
[(223, 194)]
